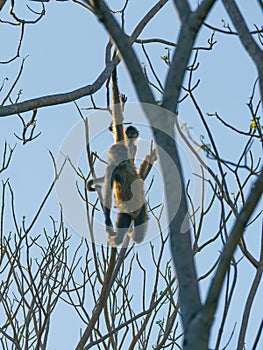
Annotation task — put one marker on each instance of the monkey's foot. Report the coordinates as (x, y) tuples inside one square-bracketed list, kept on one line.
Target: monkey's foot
[(130, 233), (110, 232), (109, 228), (112, 241), (115, 241), (137, 238), (153, 156)]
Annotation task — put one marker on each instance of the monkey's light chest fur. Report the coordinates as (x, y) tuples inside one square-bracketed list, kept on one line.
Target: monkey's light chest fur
[(128, 189)]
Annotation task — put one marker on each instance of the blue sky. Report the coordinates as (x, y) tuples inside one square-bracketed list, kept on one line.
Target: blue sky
[(66, 51)]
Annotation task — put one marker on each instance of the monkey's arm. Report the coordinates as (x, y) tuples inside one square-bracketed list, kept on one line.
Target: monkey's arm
[(143, 171), (108, 183), (117, 117), (94, 182), (132, 148), (147, 164)]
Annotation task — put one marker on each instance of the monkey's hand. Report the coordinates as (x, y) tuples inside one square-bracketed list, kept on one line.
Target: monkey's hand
[(89, 186), (153, 156), (123, 98)]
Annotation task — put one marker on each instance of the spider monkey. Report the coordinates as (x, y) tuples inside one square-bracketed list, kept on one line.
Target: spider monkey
[(125, 182), (132, 135), (145, 166), (122, 178)]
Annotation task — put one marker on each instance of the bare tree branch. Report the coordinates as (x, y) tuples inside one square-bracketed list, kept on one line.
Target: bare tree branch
[(229, 248), (182, 54), (247, 310), (116, 314), (124, 47), (102, 300), (90, 89), (183, 8), (137, 31), (247, 40), (2, 2), (56, 99), (229, 32)]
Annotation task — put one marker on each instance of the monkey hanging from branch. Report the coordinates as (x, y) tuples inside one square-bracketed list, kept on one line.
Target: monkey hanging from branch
[(131, 136), (144, 168), (122, 178)]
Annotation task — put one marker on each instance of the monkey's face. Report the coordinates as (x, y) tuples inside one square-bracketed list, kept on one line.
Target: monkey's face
[(118, 153), (132, 132)]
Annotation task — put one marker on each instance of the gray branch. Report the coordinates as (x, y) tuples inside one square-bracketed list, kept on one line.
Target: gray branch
[(183, 51), (56, 99), (246, 38), (183, 9), (2, 2), (230, 247)]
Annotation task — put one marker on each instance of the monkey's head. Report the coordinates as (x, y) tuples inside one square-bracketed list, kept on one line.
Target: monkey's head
[(118, 153), (131, 132)]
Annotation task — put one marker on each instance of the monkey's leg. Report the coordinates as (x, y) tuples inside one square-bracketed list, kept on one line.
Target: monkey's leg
[(123, 223), (140, 226), (108, 222)]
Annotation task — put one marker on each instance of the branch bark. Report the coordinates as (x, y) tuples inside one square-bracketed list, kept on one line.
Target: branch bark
[(229, 249), (102, 300), (56, 99), (87, 90), (246, 38), (183, 9), (248, 306), (2, 2), (190, 27)]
